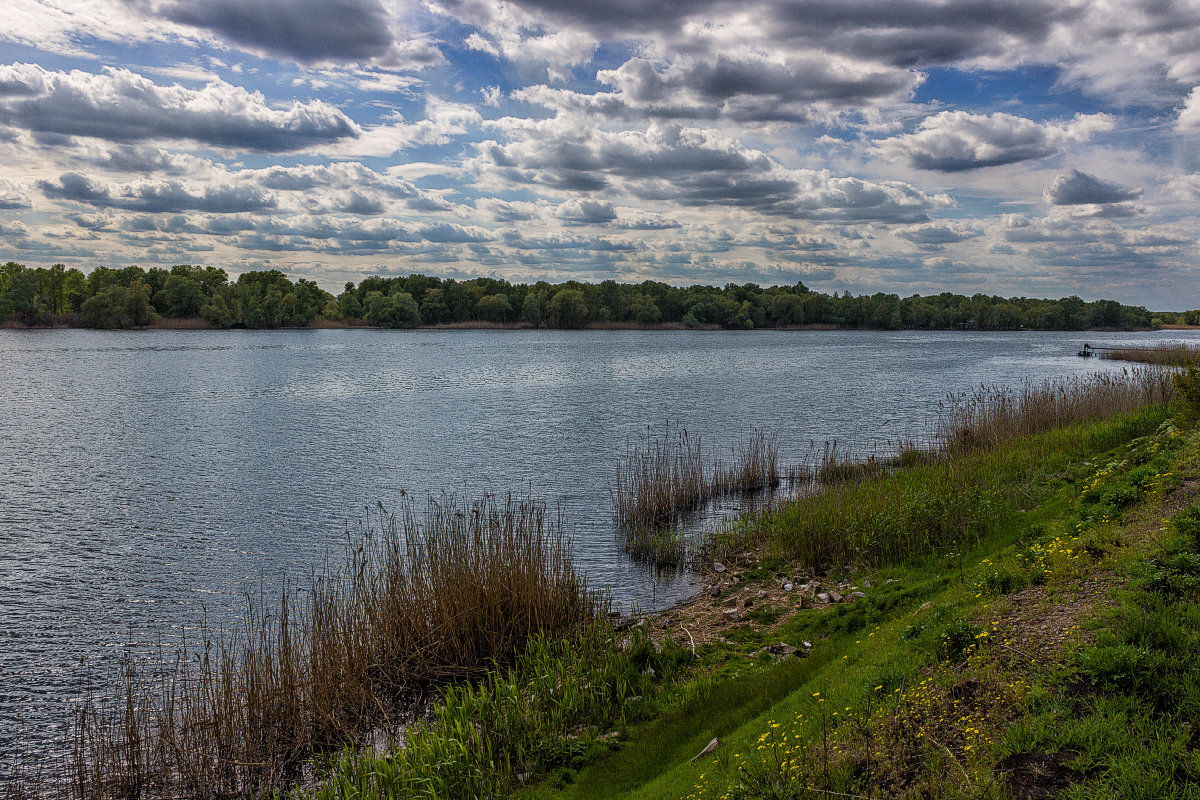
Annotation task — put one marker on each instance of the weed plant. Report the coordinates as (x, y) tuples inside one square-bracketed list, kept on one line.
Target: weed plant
[(548, 712), (1119, 718), (450, 591), (660, 478), (755, 467), (993, 415), (663, 480)]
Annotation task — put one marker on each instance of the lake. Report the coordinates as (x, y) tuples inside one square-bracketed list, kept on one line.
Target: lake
[(148, 478)]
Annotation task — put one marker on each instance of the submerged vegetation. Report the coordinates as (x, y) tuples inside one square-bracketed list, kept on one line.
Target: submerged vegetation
[(195, 296)]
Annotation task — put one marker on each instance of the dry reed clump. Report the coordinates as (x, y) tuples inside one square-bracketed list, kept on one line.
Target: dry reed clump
[(755, 467), (659, 479), (425, 596), (993, 414), (1164, 355), (663, 479)]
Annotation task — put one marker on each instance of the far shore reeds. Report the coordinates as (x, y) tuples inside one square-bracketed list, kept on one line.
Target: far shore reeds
[(1172, 354)]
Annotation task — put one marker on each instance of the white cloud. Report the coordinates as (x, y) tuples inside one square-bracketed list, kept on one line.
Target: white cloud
[(952, 141), (123, 106)]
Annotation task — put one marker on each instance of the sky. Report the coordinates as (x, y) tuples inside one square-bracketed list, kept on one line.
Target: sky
[(1014, 147)]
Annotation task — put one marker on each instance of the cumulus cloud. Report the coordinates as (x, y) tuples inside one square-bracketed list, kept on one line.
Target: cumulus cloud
[(1078, 188), (906, 32), (350, 175), (934, 235), (144, 159), (158, 196), (638, 220), (442, 122), (953, 141), (586, 212), (13, 197), (746, 87), (122, 106), (1187, 125), (306, 30), (693, 167)]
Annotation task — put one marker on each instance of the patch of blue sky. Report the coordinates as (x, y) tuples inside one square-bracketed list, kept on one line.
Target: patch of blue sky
[(980, 205), (1035, 92)]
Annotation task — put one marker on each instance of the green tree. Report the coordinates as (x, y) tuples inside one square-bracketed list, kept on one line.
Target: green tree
[(494, 308), (643, 309), (531, 310), (106, 308), (138, 310), (567, 309), (181, 296)]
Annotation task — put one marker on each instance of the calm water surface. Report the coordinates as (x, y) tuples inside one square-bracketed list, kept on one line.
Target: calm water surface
[(149, 477)]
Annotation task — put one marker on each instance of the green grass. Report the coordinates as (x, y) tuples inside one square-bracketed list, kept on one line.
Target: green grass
[(911, 670), (1122, 715), (904, 694)]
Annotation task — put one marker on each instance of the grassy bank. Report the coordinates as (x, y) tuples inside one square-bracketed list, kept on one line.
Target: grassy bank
[(935, 601), (1050, 654)]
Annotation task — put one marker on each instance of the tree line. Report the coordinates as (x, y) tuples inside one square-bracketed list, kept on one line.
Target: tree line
[(133, 297)]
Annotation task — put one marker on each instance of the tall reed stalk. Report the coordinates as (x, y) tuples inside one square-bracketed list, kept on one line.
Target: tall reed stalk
[(755, 467), (981, 473), (660, 478), (663, 479), (451, 590)]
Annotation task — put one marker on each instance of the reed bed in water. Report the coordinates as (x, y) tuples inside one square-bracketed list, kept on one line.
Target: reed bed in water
[(973, 483), (940, 506), (447, 591), (837, 466), (992, 415), (660, 478), (755, 467), (1166, 355)]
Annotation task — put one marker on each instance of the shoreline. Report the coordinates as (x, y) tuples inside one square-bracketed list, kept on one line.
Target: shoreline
[(192, 324)]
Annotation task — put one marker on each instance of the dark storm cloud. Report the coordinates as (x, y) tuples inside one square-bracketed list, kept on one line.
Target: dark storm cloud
[(304, 30), (122, 106), (1078, 188)]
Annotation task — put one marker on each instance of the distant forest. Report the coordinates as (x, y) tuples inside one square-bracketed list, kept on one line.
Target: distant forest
[(205, 296)]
